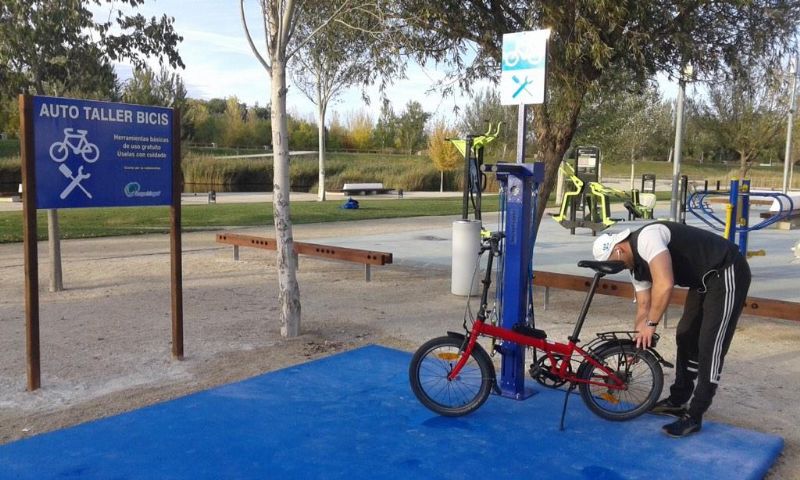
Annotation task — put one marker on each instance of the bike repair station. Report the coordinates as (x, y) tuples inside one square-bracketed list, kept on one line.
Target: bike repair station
[(357, 414)]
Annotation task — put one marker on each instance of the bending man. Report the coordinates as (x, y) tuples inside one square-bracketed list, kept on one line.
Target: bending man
[(659, 256)]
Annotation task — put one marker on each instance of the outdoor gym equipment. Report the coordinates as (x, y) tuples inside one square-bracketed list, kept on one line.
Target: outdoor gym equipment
[(453, 375), (737, 211), (593, 200), (466, 232), (474, 180)]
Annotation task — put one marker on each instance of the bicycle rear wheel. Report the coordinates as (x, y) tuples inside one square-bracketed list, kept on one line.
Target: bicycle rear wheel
[(429, 370), (641, 373)]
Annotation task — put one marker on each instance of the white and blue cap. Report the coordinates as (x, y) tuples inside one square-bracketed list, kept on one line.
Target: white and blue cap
[(606, 242)]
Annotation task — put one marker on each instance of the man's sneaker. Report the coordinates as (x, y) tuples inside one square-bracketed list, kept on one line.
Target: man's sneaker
[(686, 425), (666, 407)]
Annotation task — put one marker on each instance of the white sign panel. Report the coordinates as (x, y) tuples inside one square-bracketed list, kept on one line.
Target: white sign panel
[(522, 77)]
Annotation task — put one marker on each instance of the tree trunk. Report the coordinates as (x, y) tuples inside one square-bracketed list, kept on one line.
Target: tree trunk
[(321, 143), (553, 140), (744, 165), (441, 181), (289, 290)]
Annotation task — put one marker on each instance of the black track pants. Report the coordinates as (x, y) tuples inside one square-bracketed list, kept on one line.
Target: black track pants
[(704, 334)]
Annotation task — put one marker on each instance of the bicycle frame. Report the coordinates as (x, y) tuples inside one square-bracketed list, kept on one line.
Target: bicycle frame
[(559, 354)]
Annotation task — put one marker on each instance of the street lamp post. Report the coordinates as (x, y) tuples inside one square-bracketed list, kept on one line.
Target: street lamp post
[(676, 162), (787, 160)]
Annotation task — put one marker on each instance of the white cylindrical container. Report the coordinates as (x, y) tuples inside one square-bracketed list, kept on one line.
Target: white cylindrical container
[(466, 247)]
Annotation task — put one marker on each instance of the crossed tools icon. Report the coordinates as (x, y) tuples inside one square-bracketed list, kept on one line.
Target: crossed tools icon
[(76, 180)]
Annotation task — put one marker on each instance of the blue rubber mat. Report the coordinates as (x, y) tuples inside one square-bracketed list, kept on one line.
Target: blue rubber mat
[(353, 415)]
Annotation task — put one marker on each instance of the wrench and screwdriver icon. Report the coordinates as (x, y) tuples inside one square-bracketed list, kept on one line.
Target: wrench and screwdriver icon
[(76, 180)]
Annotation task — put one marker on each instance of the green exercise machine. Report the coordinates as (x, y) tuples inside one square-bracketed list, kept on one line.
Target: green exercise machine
[(472, 148), (587, 203)]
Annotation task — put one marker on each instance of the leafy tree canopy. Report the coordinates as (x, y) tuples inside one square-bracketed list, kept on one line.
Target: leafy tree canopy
[(597, 44), (58, 47)]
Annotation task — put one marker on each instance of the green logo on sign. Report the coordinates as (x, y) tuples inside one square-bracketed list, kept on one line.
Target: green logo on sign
[(132, 189)]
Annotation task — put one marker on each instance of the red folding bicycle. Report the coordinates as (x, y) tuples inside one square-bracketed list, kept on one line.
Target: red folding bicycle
[(453, 375)]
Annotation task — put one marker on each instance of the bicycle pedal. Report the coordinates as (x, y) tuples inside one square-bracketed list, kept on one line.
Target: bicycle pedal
[(608, 397)]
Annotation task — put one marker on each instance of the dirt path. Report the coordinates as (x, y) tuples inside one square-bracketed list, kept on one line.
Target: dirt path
[(106, 339)]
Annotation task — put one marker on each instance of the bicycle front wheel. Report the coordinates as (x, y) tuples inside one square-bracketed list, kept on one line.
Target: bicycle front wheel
[(641, 373), (429, 376)]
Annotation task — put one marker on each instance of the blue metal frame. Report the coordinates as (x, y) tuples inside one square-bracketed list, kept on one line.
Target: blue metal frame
[(738, 191), (520, 183)]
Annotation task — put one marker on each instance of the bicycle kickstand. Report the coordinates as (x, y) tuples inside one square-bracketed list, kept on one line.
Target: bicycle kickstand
[(564, 409)]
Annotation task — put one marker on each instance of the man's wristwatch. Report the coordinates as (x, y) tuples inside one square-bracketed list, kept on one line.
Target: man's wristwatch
[(651, 324)]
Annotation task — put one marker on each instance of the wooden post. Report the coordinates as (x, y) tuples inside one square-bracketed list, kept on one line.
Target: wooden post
[(30, 246), (54, 243), (175, 240)]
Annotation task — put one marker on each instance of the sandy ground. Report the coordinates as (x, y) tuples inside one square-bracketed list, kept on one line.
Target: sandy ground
[(106, 338)]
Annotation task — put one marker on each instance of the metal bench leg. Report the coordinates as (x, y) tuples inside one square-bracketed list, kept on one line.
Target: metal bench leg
[(236, 252), (546, 297)]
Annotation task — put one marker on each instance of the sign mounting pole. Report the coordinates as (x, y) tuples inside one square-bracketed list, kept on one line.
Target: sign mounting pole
[(31, 246), (175, 240)]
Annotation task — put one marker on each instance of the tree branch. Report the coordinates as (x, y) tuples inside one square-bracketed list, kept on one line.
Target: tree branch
[(314, 32), (250, 39)]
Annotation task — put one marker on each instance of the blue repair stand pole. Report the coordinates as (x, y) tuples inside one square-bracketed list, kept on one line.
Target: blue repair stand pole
[(519, 181), (733, 200), (743, 222)]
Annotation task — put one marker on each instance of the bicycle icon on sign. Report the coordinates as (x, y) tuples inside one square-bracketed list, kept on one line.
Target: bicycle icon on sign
[(74, 140), (522, 54)]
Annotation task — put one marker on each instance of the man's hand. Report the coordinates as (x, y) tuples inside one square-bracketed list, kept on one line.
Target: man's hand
[(644, 335)]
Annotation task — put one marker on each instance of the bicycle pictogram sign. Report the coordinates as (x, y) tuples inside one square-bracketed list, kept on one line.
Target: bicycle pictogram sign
[(521, 56), (74, 141), (522, 78)]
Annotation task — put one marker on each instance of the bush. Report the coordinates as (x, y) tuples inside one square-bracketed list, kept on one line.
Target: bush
[(10, 172)]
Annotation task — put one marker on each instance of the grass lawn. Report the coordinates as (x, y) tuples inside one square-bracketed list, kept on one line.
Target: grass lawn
[(102, 222)]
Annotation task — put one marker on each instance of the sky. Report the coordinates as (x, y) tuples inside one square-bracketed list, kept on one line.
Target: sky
[(219, 63)]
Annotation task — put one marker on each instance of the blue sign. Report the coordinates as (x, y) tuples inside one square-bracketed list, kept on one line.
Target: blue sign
[(101, 154)]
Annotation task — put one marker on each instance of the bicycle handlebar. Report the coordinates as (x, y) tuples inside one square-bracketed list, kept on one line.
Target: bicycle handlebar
[(492, 242)]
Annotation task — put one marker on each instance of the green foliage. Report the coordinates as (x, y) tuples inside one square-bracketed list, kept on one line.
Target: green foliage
[(9, 118), (747, 116), (594, 45), (235, 128), (10, 172), (359, 129), (622, 123), (385, 132), (485, 109), (145, 87), (9, 148), (58, 46), (410, 128), (303, 135)]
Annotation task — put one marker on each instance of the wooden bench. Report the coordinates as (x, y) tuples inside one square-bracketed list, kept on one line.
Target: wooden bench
[(366, 257), (791, 222), (764, 307)]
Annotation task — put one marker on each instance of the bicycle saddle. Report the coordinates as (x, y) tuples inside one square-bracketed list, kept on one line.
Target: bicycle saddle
[(607, 267)]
